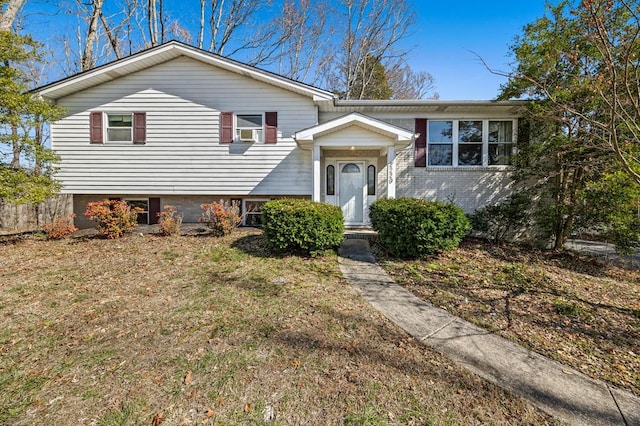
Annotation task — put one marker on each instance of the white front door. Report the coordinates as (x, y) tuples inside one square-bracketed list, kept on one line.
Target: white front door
[(351, 191)]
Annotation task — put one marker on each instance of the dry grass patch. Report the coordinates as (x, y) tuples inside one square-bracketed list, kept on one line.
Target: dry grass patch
[(197, 330), (576, 309)]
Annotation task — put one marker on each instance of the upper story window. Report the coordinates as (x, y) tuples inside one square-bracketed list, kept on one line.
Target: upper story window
[(119, 127), (261, 127), (249, 128), (464, 143)]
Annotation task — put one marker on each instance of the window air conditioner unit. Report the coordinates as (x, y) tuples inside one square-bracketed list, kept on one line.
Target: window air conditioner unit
[(248, 135)]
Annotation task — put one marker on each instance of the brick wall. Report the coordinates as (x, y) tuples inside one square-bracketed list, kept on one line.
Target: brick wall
[(471, 188)]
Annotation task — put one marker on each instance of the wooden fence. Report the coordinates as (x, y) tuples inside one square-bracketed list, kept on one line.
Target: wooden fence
[(16, 218)]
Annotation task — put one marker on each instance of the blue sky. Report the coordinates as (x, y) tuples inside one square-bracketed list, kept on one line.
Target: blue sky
[(448, 31), (444, 38)]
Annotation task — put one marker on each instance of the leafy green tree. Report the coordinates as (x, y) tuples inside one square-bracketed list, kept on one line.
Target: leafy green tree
[(26, 172), (579, 64), (560, 158), (612, 207)]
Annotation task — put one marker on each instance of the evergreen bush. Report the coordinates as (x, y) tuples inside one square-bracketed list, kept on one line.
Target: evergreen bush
[(501, 222), (302, 226), (417, 228)]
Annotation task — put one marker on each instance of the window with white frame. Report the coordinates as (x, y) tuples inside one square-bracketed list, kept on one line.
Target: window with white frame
[(119, 127), (249, 128), (440, 141), (253, 212), (500, 142), (470, 143), (464, 143)]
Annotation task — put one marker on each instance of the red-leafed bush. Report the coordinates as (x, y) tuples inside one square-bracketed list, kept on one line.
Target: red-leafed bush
[(60, 227), (114, 217), (170, 221), (221, 217)]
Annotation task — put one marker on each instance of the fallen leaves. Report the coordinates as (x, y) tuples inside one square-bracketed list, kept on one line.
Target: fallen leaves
[(188, 378), (207, 342), (157, 419), (580, 312)]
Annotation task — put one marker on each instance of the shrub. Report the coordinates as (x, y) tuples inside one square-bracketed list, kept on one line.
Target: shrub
[(501, 221), (304, 226), (170, 221), (114, 217), (611, 208), (221, 217), (60, 227), (416, 228)]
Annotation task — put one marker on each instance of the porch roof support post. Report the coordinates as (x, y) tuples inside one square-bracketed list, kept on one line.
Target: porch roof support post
[(316, 174), (391, 172)]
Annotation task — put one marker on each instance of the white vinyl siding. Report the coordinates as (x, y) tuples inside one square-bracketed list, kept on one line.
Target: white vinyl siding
[(183, 99)]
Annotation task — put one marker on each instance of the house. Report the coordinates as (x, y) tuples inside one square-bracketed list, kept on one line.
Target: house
[(175, 125)]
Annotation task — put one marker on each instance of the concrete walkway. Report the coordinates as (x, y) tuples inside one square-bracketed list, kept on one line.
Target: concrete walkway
[(604, 251), (556, 389)]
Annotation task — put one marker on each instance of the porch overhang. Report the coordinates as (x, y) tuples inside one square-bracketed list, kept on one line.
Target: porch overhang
[(396, 137), (343, 133)]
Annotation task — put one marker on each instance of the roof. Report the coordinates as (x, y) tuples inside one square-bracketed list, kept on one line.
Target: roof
[(166, 52), (424, 106), (397, 134)]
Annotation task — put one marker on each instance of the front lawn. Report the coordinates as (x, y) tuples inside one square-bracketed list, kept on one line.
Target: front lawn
[(574, 308), (198, 330)]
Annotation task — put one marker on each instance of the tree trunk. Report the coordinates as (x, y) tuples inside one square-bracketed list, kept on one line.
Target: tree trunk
[(9, 14), (92, 36), (17, 149), (201, 32), (113, 40), (39, 142), (152, 18)]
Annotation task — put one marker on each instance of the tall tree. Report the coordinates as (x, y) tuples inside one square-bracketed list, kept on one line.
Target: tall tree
[(600, 58), (612, 31), (406, 83), (28, 176), (366, 28), (321, 42), (305, 34), (371, 82), (155, 21), (575, 114)]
